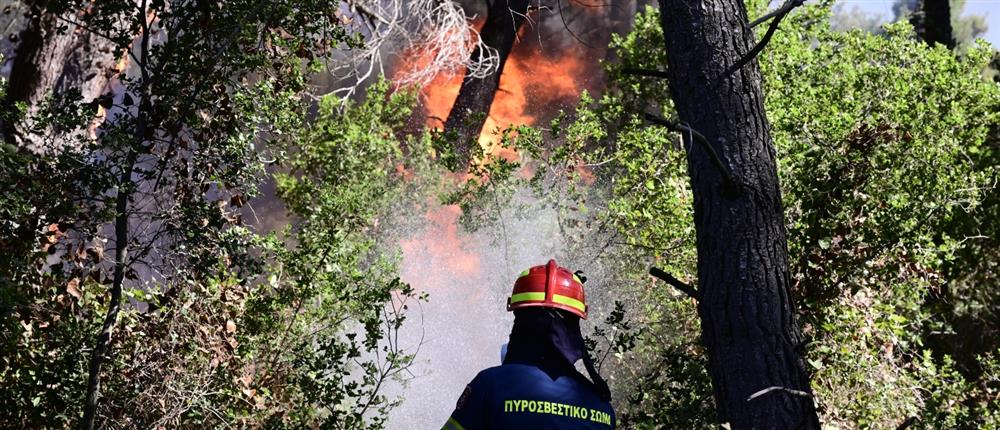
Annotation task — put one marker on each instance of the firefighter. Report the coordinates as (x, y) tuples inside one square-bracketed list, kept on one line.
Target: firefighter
[(537, 386)]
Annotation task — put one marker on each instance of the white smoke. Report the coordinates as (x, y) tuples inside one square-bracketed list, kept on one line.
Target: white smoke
[(465, 322)]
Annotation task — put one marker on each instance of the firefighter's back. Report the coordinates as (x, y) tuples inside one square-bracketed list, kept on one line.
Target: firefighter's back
[(525, 396)]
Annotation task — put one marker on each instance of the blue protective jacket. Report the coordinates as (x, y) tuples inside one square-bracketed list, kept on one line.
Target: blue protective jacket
[(524, 395)]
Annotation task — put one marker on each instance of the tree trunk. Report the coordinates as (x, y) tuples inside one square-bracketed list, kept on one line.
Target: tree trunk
[(123, 199), (748, 320), (465, 121), (48, 61), (932, 22), (97, 357)]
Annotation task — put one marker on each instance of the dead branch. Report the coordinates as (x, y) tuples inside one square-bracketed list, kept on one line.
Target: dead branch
[(700, 138), (689, 290)]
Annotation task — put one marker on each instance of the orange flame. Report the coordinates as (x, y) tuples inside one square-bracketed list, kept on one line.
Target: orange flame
[(530, 86), (441, 244), (533, 87)]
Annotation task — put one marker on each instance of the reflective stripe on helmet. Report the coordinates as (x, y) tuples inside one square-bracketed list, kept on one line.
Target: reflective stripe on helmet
[(569, 301), (549, 285), (556, 298), (525, 297)]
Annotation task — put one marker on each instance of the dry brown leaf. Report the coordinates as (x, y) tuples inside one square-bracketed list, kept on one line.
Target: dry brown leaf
[(230, 326), (96, 252), (73, 288)]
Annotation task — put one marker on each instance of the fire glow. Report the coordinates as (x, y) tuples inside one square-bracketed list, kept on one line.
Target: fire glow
[(465, 274), (533, 87)]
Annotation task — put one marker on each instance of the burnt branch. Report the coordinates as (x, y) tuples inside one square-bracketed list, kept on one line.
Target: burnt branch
[(562, 17), (698, 137), (783, 10), (645, 72), (688, 290), (778, 15), (472, 105)]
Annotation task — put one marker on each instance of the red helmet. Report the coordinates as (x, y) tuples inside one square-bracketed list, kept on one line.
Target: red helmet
[(549, 286)]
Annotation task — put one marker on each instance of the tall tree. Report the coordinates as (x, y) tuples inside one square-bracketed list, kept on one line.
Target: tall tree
[(749, 324), (51, 59), (465, 121)]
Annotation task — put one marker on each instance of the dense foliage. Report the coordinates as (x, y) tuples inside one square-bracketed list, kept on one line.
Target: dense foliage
[(884, 162), (125, 240)]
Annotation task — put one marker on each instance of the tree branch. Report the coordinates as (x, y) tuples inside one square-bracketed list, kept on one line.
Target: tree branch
[(645, 72), (122, 216), (674, 282), (778, 15), (85, 28), (777, 388), (700, 138)]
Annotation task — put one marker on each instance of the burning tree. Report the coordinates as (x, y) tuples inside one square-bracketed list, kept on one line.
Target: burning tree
[(469, 111), (123, 237)]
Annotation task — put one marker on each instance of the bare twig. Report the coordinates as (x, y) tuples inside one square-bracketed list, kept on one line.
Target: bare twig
[(777, 388), (783, 10), (439, 29), (565, 24)]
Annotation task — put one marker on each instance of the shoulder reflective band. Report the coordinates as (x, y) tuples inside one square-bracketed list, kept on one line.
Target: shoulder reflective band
[(556, 298), (452, 424), (524, 273)]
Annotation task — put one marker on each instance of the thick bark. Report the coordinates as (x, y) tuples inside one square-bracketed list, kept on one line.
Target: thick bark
[(932, 22), (468, 114), (748, 319), (48, 61)]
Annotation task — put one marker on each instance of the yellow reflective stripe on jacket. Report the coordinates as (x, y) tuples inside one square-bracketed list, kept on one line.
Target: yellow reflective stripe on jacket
[(452, 424), (569, 301), (523, 297)]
